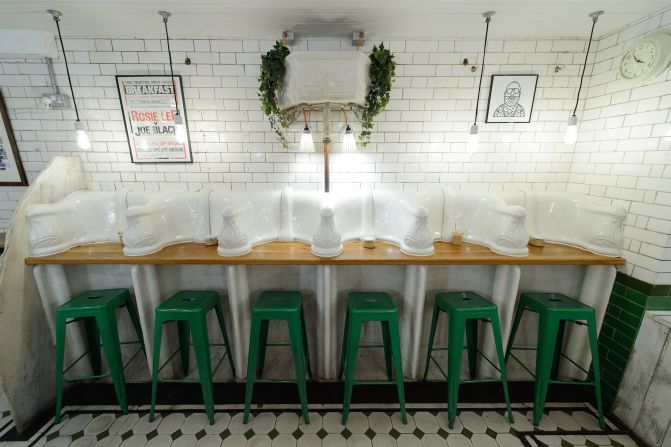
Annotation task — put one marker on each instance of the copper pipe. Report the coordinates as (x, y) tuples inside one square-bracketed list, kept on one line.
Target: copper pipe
[(327, 144)]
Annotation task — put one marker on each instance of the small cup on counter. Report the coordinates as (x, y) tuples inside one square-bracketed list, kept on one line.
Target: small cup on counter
[(457, 238), (368, 241)]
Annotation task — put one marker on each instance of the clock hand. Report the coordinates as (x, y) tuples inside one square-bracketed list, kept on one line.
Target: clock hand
[(640, 62)]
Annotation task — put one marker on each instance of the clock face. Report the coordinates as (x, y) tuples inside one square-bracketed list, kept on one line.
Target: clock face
[(639, 60)]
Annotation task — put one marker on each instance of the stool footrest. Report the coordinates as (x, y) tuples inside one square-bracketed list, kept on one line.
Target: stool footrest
[(524, 348), (477, 350), (275, 381), (570, 382), (99, 376), (374, 382), (214, 370)]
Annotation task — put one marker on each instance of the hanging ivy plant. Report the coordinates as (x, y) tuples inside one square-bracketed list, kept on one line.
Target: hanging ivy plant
[(382, 70), (271, 81)]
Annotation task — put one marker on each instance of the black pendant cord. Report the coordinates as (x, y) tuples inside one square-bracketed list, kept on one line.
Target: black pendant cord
[(482, 71), (172, 75), (584, 67), (67, 70)]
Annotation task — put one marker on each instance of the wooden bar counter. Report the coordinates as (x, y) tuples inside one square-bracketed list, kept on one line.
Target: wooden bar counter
[(297, 253), (410, 280)]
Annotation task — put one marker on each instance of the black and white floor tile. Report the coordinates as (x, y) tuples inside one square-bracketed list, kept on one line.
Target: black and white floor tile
[(478, 425)]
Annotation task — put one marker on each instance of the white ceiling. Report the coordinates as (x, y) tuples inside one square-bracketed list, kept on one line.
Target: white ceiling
[(320, 18)]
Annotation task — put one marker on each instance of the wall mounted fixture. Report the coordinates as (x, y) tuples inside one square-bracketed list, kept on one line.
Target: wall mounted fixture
[(288, 38), (83, 141), (358, 39), (180, 130), (348, 140), (307, 145), (571, 135), (473, 132)]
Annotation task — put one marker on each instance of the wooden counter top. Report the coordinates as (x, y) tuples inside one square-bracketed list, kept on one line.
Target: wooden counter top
[(297, 253)]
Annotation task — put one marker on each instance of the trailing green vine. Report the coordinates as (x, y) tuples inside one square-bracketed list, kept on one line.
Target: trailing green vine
[(271, 81), (382, 70)]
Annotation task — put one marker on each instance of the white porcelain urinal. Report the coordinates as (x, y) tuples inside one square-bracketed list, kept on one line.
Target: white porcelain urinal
[(348, 209), (83, 217), (573, 220), (156, 220), (485, 219), (395, 214), (242, 220)]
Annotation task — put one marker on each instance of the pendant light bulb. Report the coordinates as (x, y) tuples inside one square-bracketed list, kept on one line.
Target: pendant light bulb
[(180, 130), (83, 141), (307, 145), (348, 141), (571, 135), (473, 139)]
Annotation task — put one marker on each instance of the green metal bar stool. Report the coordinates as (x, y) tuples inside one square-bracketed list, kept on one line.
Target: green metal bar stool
[(464, 310), (363, 307), (284, 305), (97, 310), (554, 310), (189, 308)]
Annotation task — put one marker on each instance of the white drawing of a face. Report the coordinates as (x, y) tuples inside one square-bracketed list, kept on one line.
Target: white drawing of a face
[(512, 94)]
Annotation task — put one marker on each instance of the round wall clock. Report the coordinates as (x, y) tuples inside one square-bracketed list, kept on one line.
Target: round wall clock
[(647, 58)]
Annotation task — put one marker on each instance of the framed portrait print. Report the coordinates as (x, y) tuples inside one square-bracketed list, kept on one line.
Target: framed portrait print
[(11, 169), (149, 109), (511, 98)]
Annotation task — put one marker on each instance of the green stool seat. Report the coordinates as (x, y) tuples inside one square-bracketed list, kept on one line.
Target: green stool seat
[(97, 310), (554, 310), (284, 305), (464, 310), (363, 307), (189, 308)]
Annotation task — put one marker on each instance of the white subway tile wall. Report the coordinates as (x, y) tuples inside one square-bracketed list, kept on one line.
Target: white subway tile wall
[(622, 156)]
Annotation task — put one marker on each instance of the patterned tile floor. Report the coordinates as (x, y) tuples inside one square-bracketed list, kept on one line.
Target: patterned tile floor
[(368, 426)]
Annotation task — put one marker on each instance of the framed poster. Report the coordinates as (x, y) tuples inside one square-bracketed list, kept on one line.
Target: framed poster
[(11, 169), (511, 98), (148, 107)]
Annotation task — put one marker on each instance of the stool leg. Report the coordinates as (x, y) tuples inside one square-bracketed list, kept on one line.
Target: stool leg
[(398, 363), (432, 333), (558, 350), (93, 342), (386, 341), (158, 334), (353, 335), (472, 342), (455, 351), (222, 326), (547, 339), (596, 371), (263, 344), (298, 351), (109, 333), (135, 319), (184, 347), (343, 348), (513, 331), (306, 349), (496, 329), (201, 346), (60, 354), (255, 333)]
